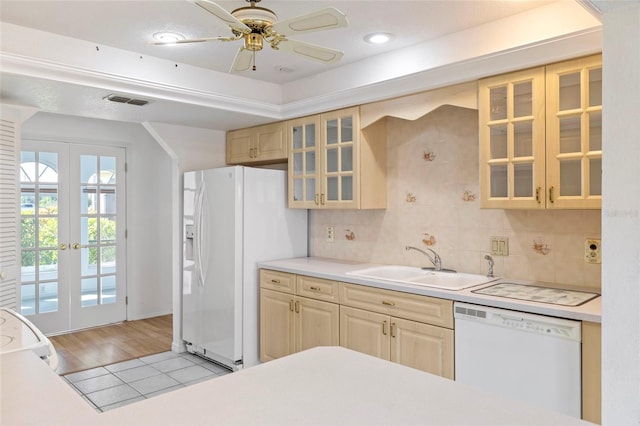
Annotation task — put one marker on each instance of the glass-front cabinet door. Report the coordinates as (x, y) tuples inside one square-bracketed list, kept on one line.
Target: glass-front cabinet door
[(574, 133), (340, 132), (512, 132), (304, 185)]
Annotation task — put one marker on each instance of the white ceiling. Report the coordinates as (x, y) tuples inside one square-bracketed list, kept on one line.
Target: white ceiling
[(46, 70)]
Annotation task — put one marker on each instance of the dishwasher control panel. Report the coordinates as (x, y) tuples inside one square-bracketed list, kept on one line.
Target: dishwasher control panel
[(538, 324)]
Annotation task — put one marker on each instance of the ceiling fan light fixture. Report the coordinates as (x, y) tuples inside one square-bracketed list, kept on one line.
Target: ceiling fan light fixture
[(378, 38), (168, 37)]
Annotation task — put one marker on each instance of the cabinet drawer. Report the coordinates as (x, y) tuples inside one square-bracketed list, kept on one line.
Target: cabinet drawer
[(317, 288), (279, 281), (425, 309)]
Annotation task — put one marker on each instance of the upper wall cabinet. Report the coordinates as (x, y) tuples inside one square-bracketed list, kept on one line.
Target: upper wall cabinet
[(333, 164), (541, 137), (257, 145)]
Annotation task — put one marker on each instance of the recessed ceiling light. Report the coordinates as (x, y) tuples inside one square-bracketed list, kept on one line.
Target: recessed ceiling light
[(378, 38), (167, 37)]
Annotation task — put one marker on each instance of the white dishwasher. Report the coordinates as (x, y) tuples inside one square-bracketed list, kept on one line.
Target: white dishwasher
[(532, 358)]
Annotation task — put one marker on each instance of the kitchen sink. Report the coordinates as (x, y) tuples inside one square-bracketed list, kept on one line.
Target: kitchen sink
[(422, 277)]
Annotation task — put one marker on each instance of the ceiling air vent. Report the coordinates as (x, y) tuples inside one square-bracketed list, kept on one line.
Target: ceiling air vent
[(125, 100)]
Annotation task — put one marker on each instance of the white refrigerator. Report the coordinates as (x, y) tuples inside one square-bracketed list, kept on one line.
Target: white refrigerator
[(234, 217)]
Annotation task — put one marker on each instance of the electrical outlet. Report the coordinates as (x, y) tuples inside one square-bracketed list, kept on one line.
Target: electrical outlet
[(330, 234), (592, 251), (500, 246)]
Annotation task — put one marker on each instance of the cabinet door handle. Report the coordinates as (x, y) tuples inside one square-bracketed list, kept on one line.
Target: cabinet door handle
[(538, 195), (551, 195), (393, 329), (291, 305), (384, 302), (297, 305), (322, 199), (275, 281), (317, 199), (384, 328), (314, 288)]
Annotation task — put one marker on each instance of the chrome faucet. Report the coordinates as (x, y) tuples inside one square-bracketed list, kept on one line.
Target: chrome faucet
[(490, 260), (435, 259)]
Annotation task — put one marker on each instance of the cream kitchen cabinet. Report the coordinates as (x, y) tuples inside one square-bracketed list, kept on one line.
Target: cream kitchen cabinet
[(333, 164), (291, 323), (387, 327), (257, 145), (541, 137)]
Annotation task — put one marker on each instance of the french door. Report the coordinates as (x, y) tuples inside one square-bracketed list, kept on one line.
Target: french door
[(72, 235)]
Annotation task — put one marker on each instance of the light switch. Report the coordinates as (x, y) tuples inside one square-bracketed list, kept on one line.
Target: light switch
[(500, 246)]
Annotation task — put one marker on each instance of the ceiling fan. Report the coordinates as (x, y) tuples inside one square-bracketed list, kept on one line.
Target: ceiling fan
[(258, 25)]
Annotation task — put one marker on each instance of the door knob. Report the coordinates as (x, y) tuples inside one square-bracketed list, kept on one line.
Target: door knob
[(62, 246), (75, 246)]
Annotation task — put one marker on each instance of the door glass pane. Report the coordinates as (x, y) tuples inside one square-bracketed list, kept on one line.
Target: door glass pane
[(523, 139), (297, 189), (310, 135), (310, 193), (108, 293), (346, 129), (107, 260), (48, 232), (498, 103), (47, 167), (88, 168), (107, 230), (48, 200), (332, 160), (523, 180), (595, 176), (28, 299), (108, 170), (498, 141), (89, 256), (523, 99), (595, 131), (569, 91), (332, 132), (108, 197), (346, 159), (570, 178), (48, 265), (332, 188), (297, 137), (48, 297), (498, 180), (88, 203), (347, 188), (595, 87), (89, 292), (570, 134), (310, 162), (297, 164)]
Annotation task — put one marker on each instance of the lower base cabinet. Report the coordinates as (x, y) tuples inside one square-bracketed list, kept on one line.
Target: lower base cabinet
[(411, 343), (290, 324)]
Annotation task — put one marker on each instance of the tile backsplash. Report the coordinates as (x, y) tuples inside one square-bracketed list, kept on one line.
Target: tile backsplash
[(433, 201)]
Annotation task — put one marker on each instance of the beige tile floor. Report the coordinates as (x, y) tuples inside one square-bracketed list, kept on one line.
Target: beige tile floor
[(127, 382)]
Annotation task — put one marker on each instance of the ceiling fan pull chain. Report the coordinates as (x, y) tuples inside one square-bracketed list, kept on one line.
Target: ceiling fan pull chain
[(254, 61)]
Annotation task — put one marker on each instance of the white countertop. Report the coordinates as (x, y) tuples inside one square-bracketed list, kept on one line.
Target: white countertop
[(334, 269), (321, 386)]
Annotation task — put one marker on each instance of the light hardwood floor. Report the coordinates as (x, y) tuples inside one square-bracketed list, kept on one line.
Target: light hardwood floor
[(96, 347)]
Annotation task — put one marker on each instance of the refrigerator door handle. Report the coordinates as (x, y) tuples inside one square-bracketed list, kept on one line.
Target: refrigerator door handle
[(197, 239)]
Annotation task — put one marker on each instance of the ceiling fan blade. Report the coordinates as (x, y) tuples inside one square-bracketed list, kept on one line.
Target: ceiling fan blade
[(325, 19), (243, 61), (191, 40), (223, 15), (311, 51)]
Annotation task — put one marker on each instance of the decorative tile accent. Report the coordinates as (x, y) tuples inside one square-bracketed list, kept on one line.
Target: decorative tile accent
[(428, 156), (540, 247), (468, 196), (349, 235), (428, 240), (410, 197)]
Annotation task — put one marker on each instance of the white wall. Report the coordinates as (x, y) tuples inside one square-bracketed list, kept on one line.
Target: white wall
[(189, 149), (621, 216), (148, 182)]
